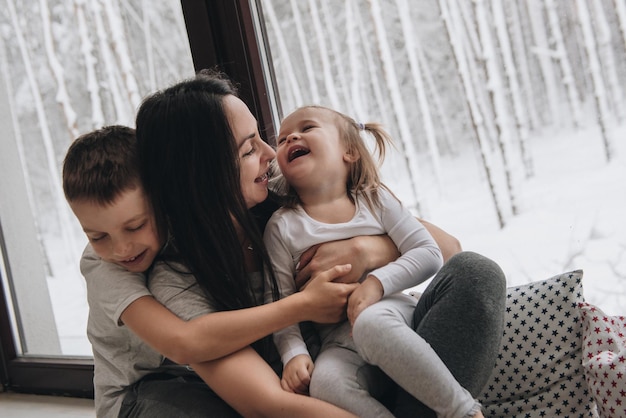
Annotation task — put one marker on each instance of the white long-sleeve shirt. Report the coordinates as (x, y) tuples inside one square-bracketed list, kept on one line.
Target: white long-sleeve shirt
[(290, 232)]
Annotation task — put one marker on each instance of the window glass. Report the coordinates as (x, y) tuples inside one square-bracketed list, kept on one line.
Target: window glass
[(67, 67), (507, 117)]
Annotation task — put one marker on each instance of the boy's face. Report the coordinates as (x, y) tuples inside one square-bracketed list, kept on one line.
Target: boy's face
[(122, 232)]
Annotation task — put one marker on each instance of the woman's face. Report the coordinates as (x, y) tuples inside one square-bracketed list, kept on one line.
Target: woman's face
[(255, 154)]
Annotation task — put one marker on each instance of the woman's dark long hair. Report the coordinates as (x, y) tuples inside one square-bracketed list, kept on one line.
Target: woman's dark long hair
[(190, 171)]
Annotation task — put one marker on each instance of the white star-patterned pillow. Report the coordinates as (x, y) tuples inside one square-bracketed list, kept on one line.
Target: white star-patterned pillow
[(539, 370), (604, 359)]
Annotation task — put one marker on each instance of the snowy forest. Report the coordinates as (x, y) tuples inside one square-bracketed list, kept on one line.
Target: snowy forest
[(501, 111), (441, 74)]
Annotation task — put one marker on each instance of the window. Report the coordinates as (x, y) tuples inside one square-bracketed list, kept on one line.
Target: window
[(65, 68), (363, 58)]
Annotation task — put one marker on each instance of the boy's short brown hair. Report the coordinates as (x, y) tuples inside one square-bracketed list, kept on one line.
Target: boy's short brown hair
[(101, 164)]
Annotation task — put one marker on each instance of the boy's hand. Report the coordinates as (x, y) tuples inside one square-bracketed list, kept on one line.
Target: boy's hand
[(297, 374), (368, 293)]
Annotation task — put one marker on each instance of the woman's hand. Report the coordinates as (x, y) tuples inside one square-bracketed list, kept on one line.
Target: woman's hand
[(364, 253), (368, 293), (297, 374), (325, 300)]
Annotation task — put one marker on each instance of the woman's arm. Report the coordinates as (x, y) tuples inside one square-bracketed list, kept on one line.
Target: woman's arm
[(218, 334), (248, 384), (448, 244), (365, 253)]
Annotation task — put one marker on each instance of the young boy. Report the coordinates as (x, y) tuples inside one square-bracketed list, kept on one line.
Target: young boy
[(102, 186)]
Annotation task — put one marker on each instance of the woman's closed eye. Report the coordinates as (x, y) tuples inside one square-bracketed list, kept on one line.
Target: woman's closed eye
[(249, 153)]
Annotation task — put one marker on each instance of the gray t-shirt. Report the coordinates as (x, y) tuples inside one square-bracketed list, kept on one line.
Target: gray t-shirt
[(181, 293), (120, 357)]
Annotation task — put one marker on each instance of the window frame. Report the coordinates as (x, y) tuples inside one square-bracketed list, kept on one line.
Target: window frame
[(221, 35)]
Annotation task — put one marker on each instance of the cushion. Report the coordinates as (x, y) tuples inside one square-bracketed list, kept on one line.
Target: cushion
[(604, 359), (538, 372)]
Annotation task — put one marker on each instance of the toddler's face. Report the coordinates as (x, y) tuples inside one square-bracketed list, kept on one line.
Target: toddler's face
[(310, 151), (122, 232)]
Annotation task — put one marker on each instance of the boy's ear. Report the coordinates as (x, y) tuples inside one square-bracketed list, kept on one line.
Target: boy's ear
[(351, 156)]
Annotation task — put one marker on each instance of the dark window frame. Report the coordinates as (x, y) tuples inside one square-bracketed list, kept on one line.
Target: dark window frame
[(222, 34)]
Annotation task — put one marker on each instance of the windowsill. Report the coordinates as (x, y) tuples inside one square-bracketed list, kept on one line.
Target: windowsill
[(18, 405)]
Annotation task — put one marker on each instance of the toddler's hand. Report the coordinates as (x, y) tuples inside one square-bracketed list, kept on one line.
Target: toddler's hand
[(368, 293), (297, 374)]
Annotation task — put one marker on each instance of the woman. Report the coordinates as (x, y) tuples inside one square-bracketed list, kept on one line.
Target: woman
[(205, 171)]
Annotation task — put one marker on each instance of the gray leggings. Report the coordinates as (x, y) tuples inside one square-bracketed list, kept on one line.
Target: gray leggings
[(461, 315), (458, 320)]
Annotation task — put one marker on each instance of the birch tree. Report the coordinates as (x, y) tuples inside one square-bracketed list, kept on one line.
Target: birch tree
[(566, 68), (306, 53), (352, 28), (434, 99), (322, 51), (62, 97), (463, 15), (605, 50), (418, 83), (519, 112), (476, 117), (160, 58), (543, 54), (373, 77), (620, 9), (53, 174), (283, 51), (500, 107), (120, 105), (90, 62), (406, 142), (19, 139), (599, 90), (121, 53), (147, 35), (336, 55), (520, 51)]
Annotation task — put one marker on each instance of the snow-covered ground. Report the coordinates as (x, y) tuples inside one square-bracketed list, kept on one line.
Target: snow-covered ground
[(571, 215)]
